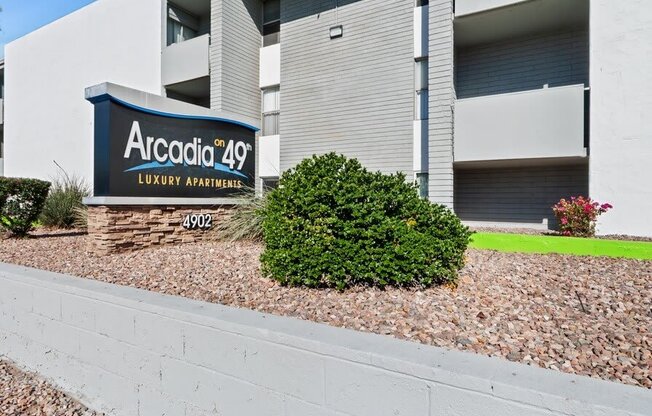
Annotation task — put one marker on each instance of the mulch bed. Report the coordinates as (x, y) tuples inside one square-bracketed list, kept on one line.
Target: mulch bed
[(581, 315), (23, 394)]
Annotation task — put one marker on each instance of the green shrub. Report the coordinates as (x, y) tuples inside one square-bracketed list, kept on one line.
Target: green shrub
[(244, 221), (62, 205), (332, 223), (21, 202)]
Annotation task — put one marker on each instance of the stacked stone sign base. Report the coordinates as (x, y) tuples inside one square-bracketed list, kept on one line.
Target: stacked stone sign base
[(126, 228)]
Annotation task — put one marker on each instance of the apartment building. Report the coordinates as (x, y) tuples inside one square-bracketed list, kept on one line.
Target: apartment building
[(497, 108)]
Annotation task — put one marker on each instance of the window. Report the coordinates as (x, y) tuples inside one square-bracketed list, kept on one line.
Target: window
[(271, 111), (271, 22), (421, 88), (422, 183), (422, 3), (182, 25), (269, 184)]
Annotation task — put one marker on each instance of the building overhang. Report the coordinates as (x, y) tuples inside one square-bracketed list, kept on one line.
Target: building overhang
[(514, 19)]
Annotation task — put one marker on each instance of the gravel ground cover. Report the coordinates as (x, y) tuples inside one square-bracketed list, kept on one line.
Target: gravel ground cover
[(582, 315), (24, 394)]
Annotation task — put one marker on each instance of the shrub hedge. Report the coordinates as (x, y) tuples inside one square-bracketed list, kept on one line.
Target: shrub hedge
[(21, 202), (332, 223)]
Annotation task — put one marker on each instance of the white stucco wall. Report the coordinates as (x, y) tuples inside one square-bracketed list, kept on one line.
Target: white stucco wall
[(46, 116), (621, 105)]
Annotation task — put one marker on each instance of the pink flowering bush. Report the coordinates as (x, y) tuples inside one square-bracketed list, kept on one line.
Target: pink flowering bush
[(578, 216)]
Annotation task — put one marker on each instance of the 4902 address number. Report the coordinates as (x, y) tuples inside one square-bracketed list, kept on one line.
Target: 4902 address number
[(197, 221)]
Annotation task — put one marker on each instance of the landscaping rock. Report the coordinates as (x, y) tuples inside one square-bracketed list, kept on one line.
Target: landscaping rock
[(523, 307), (23, 394)]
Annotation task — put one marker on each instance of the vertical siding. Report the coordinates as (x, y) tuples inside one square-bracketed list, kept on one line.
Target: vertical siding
[(516, 195), (523, 64), (234, 56), (441, 97), (353, 95)]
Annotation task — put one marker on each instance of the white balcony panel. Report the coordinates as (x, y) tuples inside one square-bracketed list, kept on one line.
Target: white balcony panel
[(185, 61), (2, 111), (421, 32), (546, 123), (464, 7), (269, 156), (420, 146), (270, 66)]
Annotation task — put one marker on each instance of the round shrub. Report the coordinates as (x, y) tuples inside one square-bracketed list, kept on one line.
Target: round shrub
[(332, 223), (21, 202)]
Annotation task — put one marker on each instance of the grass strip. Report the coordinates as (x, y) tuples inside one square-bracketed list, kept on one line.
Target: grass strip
[(544, 244)]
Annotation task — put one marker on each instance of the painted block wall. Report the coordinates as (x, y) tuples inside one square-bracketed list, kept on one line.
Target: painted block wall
[(441, 97), (621, 104), (235, 57), (352, 95), (518, 195), (130, 352), (46, 115)]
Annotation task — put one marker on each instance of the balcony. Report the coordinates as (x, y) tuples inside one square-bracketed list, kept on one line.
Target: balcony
[(270, 66), (547, 123), (421, 31), (186, 61)]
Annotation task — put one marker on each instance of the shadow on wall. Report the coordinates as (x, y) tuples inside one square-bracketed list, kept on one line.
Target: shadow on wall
[(296, 9), (523, 195), (524, 64)]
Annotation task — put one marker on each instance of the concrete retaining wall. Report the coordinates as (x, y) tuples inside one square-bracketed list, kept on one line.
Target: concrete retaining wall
[(130, 352)]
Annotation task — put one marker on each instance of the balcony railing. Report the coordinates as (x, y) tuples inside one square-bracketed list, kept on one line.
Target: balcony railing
[(545, 123), (186, 61)]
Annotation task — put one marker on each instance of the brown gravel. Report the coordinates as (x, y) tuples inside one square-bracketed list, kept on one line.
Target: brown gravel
[(581, 315), (25, 394)]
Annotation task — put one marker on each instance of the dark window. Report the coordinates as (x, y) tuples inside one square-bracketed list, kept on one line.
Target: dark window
[(422, 3), (269, 184), (271, 22), (182, 25), (422, 183)]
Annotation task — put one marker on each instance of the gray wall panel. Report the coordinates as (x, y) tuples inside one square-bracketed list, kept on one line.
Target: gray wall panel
[(234, 56), (518, 195), (441, 97), (523, 64), (353, 95)]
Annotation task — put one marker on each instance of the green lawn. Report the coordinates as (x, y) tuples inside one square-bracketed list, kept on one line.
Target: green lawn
[(544, 244)]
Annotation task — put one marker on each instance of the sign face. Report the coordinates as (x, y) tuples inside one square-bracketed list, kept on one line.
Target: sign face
[(144, 153)]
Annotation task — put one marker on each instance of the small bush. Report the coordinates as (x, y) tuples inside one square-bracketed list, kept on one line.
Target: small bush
[(332, 223), (21, 202), (245, 220), (62, 205), (578, 216)]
